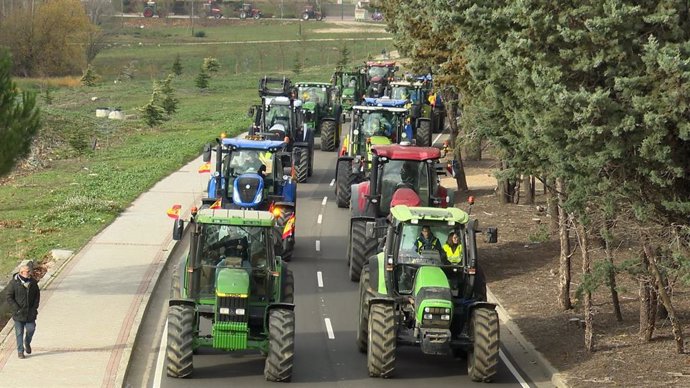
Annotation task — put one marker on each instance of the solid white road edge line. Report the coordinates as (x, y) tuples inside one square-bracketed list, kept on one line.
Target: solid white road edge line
[(332, 182), (319, 219), (318, 246), (319, 278), (329, 328), (161, 357), (435, 140), (512, 369), (323, 203)]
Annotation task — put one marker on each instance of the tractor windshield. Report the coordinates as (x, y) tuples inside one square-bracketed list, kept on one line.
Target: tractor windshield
[(278, 114), (411, 174), (317, 95), (376, 124), (377, 71), (228, 246), (250, 161)]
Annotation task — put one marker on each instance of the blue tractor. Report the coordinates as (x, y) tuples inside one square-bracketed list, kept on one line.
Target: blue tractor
[(255, 174)]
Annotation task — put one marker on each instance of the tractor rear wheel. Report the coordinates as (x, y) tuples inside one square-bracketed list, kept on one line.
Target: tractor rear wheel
[(343, 183), (361, 248), (257, 16), (382, 341), (305, 16), (301, 164), (281, 346), (148, 12), (424, 133), (482, 358), (328, 135), (287, 286), (243, 15), (363, 325), (179, 351)]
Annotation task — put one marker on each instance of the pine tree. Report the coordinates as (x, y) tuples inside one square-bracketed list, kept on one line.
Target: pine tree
[(89, 77), (344, 58), (153, 113), (201, 80), (177, 66), (169, 102), (211, 65), (297, 65), (19, 118)]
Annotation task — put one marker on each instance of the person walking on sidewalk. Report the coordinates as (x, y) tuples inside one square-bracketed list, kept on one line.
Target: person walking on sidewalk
[(23, 297)]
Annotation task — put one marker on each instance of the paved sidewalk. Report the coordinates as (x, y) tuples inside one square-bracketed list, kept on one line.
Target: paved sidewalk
[(90, 312)]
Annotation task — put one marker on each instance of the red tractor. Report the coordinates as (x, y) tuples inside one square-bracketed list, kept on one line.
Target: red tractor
[(213, 9), (249, 11), (311, 13), (400, 175), (379, 75)]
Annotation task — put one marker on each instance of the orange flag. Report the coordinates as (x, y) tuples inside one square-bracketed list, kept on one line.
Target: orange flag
[(216, 205), (174, 211), (206, 167)]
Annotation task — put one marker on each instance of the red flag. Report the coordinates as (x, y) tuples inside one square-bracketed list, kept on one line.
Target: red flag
[(206, 167), (174, 211), (216, 205)]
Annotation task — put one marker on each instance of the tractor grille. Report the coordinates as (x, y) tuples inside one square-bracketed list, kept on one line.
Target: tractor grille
[(232, 304), (248, 187)]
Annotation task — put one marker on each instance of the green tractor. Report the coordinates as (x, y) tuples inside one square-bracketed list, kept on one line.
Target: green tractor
[(353, 86), (321, 110), (232, 279), (426, 118), (422, 294), (370, 126)]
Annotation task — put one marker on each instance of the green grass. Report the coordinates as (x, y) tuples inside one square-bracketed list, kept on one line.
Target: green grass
[(83, 188)]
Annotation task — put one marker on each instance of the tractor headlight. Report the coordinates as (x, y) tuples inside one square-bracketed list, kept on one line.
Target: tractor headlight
[(428, 316), (445, 317), (239, 312), (426, 309), (224, 311)]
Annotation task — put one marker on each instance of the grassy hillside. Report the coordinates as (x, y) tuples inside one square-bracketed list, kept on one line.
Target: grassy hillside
[(85, 170)]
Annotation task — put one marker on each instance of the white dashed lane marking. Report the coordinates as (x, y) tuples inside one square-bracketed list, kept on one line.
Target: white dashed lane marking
[(329, 328), (318, 245), (319, 219), (319, 279), (323, 203)]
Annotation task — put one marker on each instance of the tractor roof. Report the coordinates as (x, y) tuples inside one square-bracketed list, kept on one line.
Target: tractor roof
[(406, 83), (234, 217), (404, 152), (280, 100), (405, 213), (379, 109), (385, 101), (381, 63), (312, 84), (267, 145)]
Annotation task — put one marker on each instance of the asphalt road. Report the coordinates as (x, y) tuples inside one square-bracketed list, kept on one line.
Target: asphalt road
[(326, 302)]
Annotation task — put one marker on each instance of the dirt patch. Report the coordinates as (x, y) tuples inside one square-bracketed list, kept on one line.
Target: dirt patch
[(369, 30), (523, 275)]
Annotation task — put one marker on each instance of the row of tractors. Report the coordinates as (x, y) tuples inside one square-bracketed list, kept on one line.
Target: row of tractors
[(412, 290), (214, 9)]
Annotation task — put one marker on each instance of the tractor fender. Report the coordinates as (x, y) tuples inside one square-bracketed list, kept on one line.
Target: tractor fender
[(302, 144), (342, 158), (182, 302), (285, 204), (377, 274), (480, 304), (211, 187), (277, 305), (419, 120), (381, 300), (358, 199), (290, 192)]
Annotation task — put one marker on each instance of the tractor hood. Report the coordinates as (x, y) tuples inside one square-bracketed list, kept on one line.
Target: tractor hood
[(309, 106), (232, 282)]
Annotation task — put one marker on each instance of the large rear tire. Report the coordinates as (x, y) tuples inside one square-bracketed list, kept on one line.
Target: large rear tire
[(424, 133), (343, 183), (305, 16), (363, 322), (328, 135), (482, 359), (301, 164), (179, 351), (257, 16), (287, 286), (281, 347), (361, 248), (148, 12), (243, 15), (382, 341)]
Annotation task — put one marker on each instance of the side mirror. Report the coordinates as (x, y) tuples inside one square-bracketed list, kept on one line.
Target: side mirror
[(206, 156), (370, 230), (178, 229), (491, 235)]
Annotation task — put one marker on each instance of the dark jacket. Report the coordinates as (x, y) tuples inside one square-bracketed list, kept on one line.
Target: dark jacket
[(23, 301)]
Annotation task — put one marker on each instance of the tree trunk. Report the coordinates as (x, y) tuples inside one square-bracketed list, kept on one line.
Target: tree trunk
[(611, 275), (551, 206), (473, 148), (564, 301), (647, 315), (506, 188), (452, 111), (528, 184), (459, 169), (676, 327), (587, 302)]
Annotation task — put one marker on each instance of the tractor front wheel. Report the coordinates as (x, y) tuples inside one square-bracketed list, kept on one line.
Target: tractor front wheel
[(301, 164), (424, 133), (243, 15), (382, 341), (482, 358), (305, 16), (179, 351), (361, 248), (363, 324), (148, 12), (328, 135), (257, 16), (281, 347), (343, 183)]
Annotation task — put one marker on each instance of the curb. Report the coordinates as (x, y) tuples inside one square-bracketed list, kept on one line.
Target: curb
[(558, 379)]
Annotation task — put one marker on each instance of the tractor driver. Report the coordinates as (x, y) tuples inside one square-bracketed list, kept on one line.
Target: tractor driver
[(426, 241)]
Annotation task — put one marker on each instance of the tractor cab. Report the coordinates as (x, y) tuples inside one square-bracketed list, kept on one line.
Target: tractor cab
[(233, 279), (426, 289), (426, 115), (352, 85), (321, 111), (379, 75)]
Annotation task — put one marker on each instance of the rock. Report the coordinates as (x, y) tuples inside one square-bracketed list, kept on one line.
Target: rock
[(94, 98), (61, 254)]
